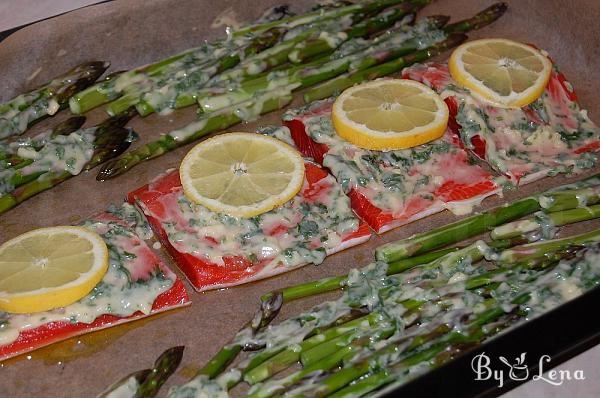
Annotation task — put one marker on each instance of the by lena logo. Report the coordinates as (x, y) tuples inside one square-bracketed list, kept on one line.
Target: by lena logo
[(519, 371)]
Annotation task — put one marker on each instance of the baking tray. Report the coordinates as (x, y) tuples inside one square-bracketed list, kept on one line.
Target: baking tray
[(134, 32)]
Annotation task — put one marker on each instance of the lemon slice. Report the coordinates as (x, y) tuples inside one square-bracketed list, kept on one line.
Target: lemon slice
[(504, 72), (242, 174), (389, 114), (49, 268)]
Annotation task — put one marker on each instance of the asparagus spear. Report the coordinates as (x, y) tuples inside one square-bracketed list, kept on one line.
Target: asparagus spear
[(324, 68), (141, 77), (268, 311), (583, 196), (126, 386), (480, 20), (533, 251), (338, 282), (342, 82), (321, 345), (50, 179), (285, 358), (325, 43), (318, 15), (65, 127), (164, 90), (221, 119), (15, 176), (137, 80), (20, 112), (470, 226), (206, 124), (146, 383), (271, 58), (425, 344), (544, 221), (422, 347), (163, 368)]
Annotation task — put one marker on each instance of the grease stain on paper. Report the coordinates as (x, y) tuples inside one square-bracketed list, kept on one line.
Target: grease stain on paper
[(227, 18)]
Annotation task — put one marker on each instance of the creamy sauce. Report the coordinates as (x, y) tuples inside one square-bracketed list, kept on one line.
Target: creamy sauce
[(547, 137), (43, 153), (61, 153), (282, 133), (301, 231), (397, 180), (15, 122), (411, 305), (126, 390), (134, 279)]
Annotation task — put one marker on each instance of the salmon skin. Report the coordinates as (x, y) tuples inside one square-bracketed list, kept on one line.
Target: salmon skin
[(216, 250), (549, 136), (389, 189), (134, 270)]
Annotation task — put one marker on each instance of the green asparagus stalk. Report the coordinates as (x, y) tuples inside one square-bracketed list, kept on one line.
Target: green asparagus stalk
[(108, 91), (60, 89), (21, 194), (194, 77), (315, 72), (541, 249), (338, 282), (274, 57), (319, 15), (331, 341), (543, 221), (439, 341), (147, 382), (95, 95), (291, 355), (18, 114), (50, 179), (163, 368), (109, 144), (346, 80), (320, 45), (133, 82), (109, 138), (480, 20), (558, 200), (423, 349), (274, 387), (65, 127), (342, 82), (435, 346), (268, 353), (208, 123), (470, 226), (128, 382), (68, 126), (431, 344), (268, 311)]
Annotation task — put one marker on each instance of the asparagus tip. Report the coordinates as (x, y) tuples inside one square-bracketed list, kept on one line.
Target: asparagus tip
[(111, 169), (439, 21), (455, 39)]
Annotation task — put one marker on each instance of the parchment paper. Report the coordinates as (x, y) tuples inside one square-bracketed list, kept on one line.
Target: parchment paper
[(134, 32)]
